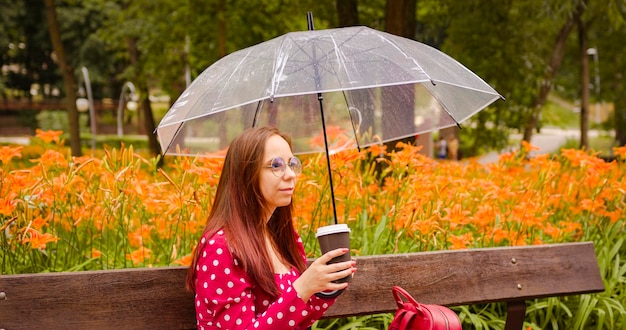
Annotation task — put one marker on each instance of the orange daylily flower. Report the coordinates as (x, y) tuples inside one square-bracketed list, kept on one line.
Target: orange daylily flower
[(620, 152), (185, 261), (138, 237), (95, 253), (527, 147), (52, 158), (380, 150), (48, 136), (7, 153), (139, 256), (39, 222), (38, 240), (336, 136), (344, 161), (460, 242), (595, 205), (8, 203), (455, 216)]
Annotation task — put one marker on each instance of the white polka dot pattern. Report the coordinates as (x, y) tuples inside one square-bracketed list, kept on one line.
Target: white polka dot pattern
[(227, 299)]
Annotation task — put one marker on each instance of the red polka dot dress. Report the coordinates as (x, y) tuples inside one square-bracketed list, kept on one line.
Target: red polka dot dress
[(226, 297)]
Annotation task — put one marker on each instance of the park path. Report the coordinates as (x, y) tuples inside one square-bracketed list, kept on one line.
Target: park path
[(548, 140)]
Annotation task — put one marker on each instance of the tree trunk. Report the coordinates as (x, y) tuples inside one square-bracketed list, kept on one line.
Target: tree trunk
[(400, 19), (620, 119), (553, 67), (584, 93), (68, 77), (347, 12), (222, 29), (146, 117), (619, 110)]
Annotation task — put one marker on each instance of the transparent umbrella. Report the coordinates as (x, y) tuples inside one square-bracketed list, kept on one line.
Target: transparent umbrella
[(330, 90)]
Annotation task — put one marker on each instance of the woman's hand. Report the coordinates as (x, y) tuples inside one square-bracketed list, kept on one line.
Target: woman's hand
[(320, 276)]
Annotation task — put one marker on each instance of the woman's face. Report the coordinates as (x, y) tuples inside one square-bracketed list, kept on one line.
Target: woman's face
[(277, 190)]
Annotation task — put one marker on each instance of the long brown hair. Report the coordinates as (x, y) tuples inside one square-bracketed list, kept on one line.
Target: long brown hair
[(239, 207)]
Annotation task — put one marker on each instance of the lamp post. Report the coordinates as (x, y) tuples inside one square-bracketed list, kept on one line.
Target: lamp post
[(83, 105), (594, 52), (132, 105)]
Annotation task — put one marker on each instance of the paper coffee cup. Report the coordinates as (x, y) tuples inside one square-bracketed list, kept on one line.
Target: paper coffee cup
[(335, 237), (330, 238)]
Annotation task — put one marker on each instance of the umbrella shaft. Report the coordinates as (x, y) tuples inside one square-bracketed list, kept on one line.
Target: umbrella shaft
[(320, 98)]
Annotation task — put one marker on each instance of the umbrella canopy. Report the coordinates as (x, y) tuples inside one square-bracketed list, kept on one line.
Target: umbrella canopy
[(358, 85)]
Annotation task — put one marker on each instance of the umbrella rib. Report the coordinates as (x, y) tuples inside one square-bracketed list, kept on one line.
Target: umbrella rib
[(354, 130), (443, 105), (391, 42), (275, 81), (180, 125), (243, 58), (256, 113)]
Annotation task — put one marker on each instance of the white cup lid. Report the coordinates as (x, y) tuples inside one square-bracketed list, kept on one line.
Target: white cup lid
[(332, 229)]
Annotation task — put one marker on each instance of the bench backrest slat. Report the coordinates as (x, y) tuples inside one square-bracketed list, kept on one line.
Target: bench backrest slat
[(464, 277), (154, 298), (151, 298)]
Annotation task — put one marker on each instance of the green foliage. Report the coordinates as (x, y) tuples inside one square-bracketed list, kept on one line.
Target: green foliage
[(367, 322), (57, 120), (558, 113)]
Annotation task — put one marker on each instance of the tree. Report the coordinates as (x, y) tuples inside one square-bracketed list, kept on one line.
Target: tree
[(553, 65), (596, 34), (400, 20), (347, 12), (25, 51), (583, 43), (607, 38), (68, 76), (400, 17), (495, 40)]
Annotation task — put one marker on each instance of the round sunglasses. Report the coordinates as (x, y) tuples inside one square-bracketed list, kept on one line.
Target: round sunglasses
[(278, 166)]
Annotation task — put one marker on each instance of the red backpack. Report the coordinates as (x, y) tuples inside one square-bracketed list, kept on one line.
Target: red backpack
[(413, 315)]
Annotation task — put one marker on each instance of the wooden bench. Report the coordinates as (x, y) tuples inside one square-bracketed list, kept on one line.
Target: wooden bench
[(154, 298)]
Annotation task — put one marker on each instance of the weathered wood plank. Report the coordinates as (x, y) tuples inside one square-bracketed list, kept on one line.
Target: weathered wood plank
[(155, 298), (115, 299), (473, 276)]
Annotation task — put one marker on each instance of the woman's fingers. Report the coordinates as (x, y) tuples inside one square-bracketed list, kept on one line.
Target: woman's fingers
[(338, 270), (341, 273), (328, 256), (339, 266)]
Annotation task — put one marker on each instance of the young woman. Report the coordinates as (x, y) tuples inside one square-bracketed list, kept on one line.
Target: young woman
[(249, 270)]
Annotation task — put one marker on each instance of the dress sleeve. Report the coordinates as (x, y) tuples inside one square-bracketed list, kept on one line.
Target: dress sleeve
[(225, 299)]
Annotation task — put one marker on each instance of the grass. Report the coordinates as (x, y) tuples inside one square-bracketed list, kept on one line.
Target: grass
[(559, 113)]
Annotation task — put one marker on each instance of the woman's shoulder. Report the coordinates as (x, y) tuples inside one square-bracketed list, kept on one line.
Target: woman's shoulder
[(216, 237), (215, 241), (214, 248)]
